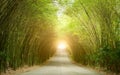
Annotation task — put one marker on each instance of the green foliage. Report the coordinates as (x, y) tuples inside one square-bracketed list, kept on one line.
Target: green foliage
[(97, 28), (26, 33), (91, 28)]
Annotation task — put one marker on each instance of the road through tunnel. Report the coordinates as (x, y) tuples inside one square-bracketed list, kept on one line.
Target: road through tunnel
[(31, 31)]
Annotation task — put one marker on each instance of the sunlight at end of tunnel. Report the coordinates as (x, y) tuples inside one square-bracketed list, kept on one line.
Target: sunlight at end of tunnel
[(61, 46)]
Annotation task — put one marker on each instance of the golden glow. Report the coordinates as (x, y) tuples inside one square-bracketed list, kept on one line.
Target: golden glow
[(61, 45)]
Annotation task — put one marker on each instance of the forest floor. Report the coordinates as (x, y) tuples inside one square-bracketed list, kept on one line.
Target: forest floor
[(20, 70)]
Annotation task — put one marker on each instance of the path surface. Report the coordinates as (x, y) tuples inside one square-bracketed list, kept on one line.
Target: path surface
[(60, 64)]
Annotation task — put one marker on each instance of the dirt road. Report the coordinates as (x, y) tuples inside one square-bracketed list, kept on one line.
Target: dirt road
[(60, 64)]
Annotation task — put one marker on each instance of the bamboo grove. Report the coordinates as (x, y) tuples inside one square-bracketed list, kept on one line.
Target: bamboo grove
[(26, 32), (95, 39), (28, 29)]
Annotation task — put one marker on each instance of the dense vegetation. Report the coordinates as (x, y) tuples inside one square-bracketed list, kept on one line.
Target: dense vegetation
[(95, 38), (26, 32), (28, 29)]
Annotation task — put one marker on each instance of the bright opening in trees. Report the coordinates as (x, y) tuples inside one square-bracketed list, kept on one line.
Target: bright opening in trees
[(61, 45)]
